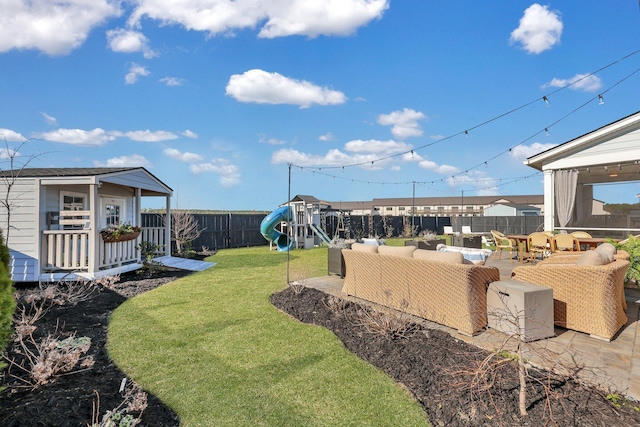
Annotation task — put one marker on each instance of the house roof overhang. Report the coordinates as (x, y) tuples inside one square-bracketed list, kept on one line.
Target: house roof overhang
[(608, 154)]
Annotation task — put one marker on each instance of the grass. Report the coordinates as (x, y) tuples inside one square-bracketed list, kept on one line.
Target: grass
[(214, 349)]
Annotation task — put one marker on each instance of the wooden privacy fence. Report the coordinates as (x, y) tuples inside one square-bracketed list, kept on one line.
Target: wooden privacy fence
[(233, 230)]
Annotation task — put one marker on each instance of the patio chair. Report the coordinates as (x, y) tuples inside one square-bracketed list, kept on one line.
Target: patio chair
[(503, 243), (538, 243), (582, 234), (466, 229), (447, 229), (565, 242)]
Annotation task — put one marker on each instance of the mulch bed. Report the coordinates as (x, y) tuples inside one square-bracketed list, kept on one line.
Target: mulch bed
[(69, 399), (429, 363), (435, 368)]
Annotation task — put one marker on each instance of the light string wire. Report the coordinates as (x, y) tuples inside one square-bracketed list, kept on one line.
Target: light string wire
[(545, 98), (484, 163)]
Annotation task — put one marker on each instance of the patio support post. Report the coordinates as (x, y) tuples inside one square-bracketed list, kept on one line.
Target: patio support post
[(138, 216), (93, 233), (167, 230), (549, 200)]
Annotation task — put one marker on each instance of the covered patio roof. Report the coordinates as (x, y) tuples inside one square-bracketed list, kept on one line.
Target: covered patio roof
[(610, 154)]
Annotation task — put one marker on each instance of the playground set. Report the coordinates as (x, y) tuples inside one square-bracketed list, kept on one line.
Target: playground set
[(297, 224)]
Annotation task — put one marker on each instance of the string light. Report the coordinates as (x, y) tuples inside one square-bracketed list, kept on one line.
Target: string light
[(601, 99), (546, 131), (546, 100)]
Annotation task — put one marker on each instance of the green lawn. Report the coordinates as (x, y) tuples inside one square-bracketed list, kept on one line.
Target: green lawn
[(214, 349)]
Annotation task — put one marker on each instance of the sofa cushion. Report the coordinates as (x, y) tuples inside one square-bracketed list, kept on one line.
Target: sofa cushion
[(449, 257), (403, 251), (607, 249), (591, 258), (361, 247)]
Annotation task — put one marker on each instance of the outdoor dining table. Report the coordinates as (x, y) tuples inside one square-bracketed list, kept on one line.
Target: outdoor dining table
[(593, 242), (523, 243)]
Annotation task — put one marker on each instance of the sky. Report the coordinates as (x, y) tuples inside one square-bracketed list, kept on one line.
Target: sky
[(240, 104)]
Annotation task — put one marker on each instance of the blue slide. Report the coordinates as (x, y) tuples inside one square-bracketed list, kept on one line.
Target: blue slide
[(269, 232)]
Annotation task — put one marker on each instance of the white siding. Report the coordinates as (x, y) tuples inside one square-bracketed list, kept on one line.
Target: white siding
[(23, 232)]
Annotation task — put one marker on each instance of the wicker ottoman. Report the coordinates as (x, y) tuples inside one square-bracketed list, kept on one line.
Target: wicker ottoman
[(520, 308)]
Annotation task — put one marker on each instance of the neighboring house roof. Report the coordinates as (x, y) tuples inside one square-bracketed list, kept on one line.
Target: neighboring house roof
[(518, 206), (104, 174), (457, 200), (306, 199)]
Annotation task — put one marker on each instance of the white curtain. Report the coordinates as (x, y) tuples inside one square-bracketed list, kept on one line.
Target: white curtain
[(565, 184)]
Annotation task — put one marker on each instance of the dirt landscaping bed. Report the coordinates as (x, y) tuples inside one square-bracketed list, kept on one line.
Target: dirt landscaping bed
[(437, 369)]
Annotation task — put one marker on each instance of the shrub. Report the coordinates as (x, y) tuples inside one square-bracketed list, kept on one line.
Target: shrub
[(7, 302), (632, 246)]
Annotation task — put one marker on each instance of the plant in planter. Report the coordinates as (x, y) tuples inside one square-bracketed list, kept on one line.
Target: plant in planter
[(426, 240), (120, 233), (335, 261)]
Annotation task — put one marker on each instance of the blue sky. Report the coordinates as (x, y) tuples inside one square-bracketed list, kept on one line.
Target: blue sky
[(363, 97)]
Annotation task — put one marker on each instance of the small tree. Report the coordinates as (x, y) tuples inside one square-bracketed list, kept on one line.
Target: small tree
[(184, 228)]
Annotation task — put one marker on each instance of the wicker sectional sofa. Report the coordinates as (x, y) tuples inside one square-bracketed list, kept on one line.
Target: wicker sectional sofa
[(437, 286), (587, 298)]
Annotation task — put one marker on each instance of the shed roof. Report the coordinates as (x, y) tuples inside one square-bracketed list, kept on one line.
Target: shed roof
[(104, 175)]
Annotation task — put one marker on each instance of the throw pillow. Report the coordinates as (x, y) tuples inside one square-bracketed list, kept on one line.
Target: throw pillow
[(449, 257), (403, 251), (361, 247), (591, 258)]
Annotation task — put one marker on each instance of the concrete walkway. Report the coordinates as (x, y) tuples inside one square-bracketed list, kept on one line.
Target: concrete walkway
[(184, 263), (611, 366)]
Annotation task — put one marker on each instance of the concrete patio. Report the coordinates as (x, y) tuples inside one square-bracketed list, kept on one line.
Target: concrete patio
[(611, 366)]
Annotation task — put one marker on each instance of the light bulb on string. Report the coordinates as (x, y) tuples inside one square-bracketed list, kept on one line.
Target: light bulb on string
[(546, 100), (546, 131), (601, 99)]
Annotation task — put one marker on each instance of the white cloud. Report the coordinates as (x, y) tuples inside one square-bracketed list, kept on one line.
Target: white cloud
[(54, 27), (9, 135), (329, 136), (278, 18), (441, 169), (172, 81), (134, 160), (272, 88), (539, 30), (81, 137), (583, 82), (134, 72), (129, 41), (484, 185), (189, 134), (7, 153), (49, 119), (183, 157), (405, 123), (522, 151), (357, 152), (382, 148), (228, 172), (264, 139), (147, 135)]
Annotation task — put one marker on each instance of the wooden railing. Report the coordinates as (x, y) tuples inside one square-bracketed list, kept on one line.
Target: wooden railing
[(69, 249), (66, 249)]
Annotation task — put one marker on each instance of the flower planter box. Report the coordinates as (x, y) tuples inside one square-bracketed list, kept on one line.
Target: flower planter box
[(430, 245), (123, 237), (336, 262), (468, 241)]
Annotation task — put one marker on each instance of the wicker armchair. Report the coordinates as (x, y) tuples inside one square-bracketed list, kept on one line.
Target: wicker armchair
[(538, 243), (503, 243), (564, 243), (588, 299)]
